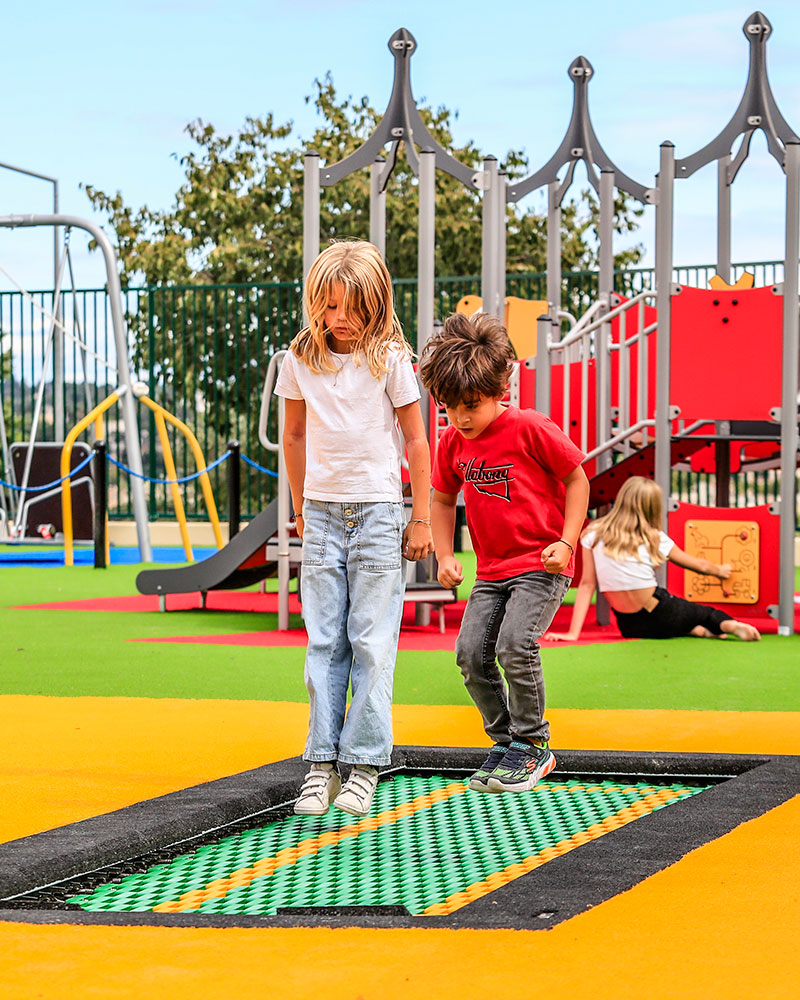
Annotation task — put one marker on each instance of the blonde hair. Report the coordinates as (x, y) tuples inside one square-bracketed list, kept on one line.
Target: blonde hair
[(634, 519), (358, 268)]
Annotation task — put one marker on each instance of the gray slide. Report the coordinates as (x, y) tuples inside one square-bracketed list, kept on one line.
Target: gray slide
[(241, 563)]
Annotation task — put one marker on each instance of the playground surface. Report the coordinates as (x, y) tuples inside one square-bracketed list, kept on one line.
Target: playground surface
[(106, 703)]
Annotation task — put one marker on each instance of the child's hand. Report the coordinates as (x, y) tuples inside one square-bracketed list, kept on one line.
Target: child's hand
[(417, 540), (300, 524), (451, 572), (556, 557), (724, 571), (560, 636)]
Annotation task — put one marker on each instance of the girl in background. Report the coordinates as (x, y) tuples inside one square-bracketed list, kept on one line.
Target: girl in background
[(621, 552), (348, 382)]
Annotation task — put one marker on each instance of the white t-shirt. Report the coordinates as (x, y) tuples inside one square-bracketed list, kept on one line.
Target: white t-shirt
[(629, 573), (353, 441)]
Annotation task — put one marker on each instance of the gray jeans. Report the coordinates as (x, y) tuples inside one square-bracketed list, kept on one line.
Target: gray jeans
[(503, 621)]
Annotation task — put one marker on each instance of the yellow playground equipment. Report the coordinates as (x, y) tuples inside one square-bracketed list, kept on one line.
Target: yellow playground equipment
[(520, 320), (162, 417)]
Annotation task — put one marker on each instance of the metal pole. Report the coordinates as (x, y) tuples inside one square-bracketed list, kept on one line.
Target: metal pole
[(603, 334), (132, 442), (489, 236), (427, 247), (100, 503), (59, 429), (310, 210), (58, 355), (234, 489), (500, 268), (664, 211), (284, 513), (553, 251), (791, 355), (723, 219), (377, 206), (544, 327)]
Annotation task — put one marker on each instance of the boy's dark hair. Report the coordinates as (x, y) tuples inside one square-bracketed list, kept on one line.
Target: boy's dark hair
[(470, 357)]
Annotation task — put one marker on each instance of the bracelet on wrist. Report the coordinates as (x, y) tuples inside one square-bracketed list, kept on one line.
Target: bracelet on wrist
[(570, 547)]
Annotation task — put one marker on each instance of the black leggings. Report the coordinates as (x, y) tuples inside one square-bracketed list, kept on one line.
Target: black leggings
[(671, 617)]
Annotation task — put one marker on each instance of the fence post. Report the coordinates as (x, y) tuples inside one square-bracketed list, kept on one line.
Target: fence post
[(234, 489), (100, 503)]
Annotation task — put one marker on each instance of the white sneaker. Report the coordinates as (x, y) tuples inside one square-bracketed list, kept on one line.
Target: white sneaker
[(321, 784), (356, 796)]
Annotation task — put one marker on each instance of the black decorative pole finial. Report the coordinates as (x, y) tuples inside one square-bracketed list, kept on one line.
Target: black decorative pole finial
[(579, 143)]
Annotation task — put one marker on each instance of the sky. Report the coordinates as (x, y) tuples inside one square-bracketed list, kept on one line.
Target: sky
[(100, 93)]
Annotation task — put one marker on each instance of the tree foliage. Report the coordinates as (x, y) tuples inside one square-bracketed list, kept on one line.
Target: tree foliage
[(237, 216)]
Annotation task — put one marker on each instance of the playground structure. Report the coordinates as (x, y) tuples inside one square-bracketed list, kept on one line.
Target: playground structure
[(624, 381), (620, 379)]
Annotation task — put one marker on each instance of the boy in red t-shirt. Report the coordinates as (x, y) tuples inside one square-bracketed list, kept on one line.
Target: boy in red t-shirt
[(525, 494)]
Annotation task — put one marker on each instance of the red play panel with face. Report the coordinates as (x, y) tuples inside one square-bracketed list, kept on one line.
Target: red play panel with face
[(725, 353)]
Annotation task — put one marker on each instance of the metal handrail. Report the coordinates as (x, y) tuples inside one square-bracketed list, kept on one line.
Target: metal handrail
[(266, 398), (619, 438)]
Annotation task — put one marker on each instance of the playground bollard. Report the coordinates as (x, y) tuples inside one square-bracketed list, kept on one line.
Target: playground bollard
[(100, 504), (234, 489)]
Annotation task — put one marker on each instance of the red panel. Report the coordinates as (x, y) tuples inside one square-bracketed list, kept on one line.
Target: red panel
[(705, 459), (575, 421), (769, 525), (725, 353)]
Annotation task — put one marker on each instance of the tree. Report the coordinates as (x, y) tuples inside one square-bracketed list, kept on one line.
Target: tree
[(238, 215), (237, 220)]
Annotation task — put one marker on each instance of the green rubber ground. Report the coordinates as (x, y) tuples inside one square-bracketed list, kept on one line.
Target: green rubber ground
[(68, 653)]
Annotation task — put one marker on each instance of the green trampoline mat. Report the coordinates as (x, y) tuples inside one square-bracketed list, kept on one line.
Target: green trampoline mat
[(429, 845)]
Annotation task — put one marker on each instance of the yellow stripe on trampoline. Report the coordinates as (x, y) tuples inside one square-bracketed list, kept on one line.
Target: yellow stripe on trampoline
[(219, 888), (629, 813)]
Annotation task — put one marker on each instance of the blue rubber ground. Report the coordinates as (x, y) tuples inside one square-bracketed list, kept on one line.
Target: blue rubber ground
[(124, 555)]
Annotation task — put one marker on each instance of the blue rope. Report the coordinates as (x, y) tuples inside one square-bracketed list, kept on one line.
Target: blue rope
[(139, 475), (260, 468), (47, 486), (169, 482)]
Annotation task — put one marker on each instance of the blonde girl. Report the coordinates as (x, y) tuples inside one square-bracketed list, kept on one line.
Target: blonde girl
[(349, 390), (621, 552)]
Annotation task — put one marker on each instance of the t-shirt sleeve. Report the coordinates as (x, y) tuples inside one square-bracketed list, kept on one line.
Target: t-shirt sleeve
[(402, 387), (587, 540), (444, 477), (287, 384), (665, 544), (553, 449)]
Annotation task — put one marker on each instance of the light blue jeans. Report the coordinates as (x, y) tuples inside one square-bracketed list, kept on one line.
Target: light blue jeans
[(352, 590)]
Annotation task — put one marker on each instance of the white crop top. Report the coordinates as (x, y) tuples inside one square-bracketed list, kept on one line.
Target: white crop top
[(629, 573)]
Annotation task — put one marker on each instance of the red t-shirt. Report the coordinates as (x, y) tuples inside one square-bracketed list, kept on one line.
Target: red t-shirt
[(514, 497)]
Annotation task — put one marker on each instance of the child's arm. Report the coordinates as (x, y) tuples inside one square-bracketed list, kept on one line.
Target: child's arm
[(417, 537), (704, 566), (443, 519), (294, 451), (583, 600), (556, 556)]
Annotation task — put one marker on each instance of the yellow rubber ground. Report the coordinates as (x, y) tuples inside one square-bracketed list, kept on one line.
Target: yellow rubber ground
[(721, 923), (65, 759), (703, 928)]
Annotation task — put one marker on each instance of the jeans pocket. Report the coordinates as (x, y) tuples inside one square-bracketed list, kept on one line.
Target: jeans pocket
[(381, 537), (315, 535)]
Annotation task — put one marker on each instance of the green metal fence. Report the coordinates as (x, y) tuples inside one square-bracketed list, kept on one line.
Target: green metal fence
[(203, 352)]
